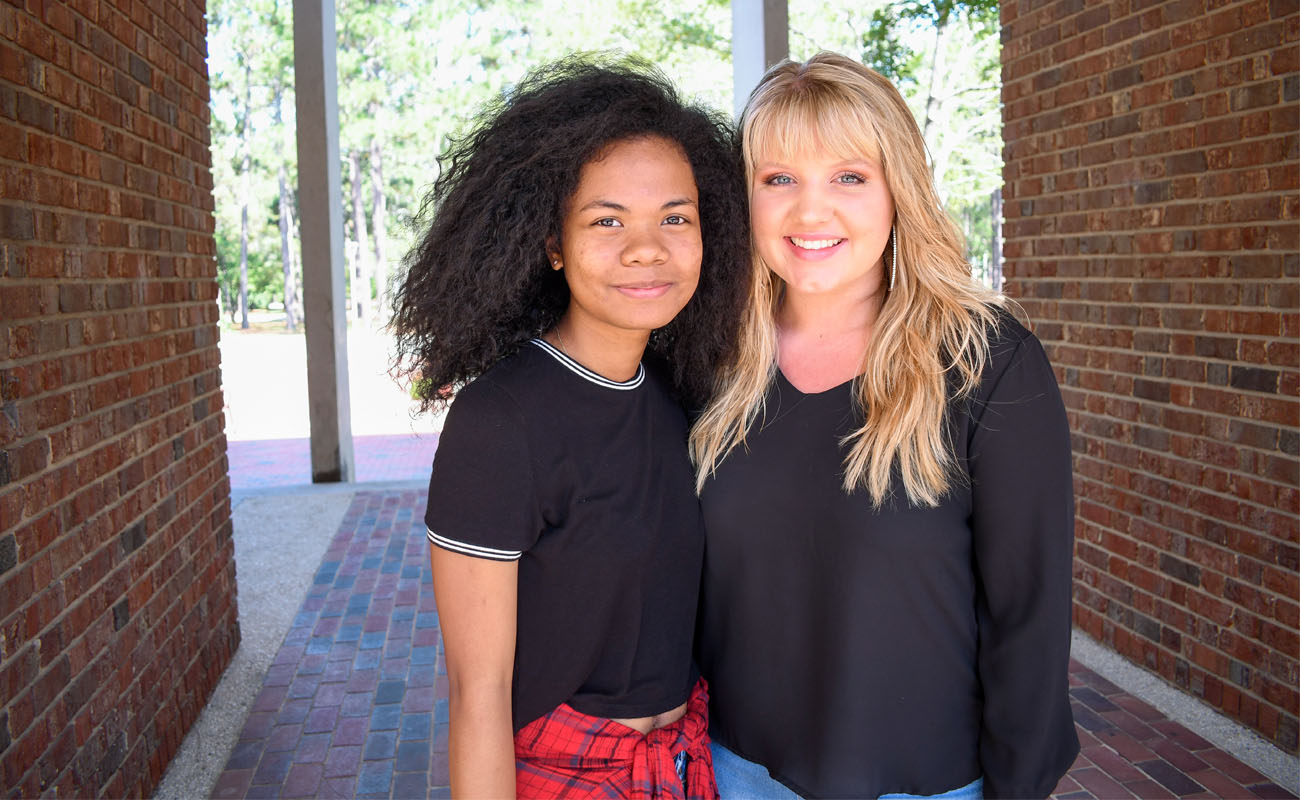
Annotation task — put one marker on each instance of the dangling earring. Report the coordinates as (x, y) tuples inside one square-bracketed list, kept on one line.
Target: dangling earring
[(893, 264)]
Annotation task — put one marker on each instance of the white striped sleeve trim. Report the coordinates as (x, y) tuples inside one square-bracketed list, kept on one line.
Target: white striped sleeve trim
[(594, 377), (478, 551)]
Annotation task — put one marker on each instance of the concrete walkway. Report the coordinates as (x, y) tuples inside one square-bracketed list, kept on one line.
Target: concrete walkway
[(350, 700)]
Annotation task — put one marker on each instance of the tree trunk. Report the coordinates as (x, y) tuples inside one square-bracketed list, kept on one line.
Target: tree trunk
[(940, 22), (247, 167), (291, 307), (379, 221), (243, 253), (227, 302), (286, 254), (297, 271), (360, 265)]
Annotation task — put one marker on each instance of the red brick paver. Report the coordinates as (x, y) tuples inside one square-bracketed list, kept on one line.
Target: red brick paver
[(1129, 749)]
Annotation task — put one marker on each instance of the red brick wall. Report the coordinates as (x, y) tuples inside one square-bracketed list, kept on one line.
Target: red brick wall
[(1151, 234), (117, 581)]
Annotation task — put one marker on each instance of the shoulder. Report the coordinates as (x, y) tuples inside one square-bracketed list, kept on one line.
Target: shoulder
[(1010, 343), (658, 372), (497, 399), (1006, 334), (516, 377), (661, 390), (1014, 358)]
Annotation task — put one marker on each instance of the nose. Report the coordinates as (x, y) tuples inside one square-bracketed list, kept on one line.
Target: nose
[(812, 205), (645, 246)]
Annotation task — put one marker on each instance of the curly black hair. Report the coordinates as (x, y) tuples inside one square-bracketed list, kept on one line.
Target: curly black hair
[(478, 284)]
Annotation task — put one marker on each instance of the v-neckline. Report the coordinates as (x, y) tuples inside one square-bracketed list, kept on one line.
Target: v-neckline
[(802, 393)]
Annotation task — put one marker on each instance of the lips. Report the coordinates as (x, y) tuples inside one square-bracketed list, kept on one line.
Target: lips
[(815, 242), (644, 290), (814, 246)]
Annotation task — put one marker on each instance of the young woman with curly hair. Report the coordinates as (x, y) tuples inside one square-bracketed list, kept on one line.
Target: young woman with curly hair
[(885, 475), (584, 268)]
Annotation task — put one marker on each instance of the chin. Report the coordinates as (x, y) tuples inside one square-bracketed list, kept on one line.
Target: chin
[(651, 319), (653, 324)]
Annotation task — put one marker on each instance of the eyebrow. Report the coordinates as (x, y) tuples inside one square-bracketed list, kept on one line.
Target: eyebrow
[(611, 205)]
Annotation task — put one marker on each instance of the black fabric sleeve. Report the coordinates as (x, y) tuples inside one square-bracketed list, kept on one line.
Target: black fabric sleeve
[(482, 497), (1022, 525)]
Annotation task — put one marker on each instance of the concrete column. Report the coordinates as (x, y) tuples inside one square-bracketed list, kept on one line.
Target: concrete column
[(321, 220), (760, 37)]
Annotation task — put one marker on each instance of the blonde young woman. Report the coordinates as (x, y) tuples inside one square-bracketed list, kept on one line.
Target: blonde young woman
[(885, 477)]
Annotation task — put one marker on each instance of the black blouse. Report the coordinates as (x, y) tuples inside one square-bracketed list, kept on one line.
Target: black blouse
[(855, 651), (586, 482)]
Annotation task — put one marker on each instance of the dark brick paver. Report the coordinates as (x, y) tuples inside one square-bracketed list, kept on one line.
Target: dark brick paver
[(355, 702)]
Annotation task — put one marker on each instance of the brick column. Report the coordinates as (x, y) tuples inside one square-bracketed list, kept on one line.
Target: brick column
[(1151, 233), (117, 582)]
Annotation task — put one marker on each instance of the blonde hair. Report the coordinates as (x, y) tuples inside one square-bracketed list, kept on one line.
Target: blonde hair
[(934, 322)]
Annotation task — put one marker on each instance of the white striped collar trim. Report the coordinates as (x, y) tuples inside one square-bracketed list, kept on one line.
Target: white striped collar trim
[(478, 551), (596, 378)]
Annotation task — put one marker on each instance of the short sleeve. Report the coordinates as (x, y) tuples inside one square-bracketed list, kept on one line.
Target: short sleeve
[(1022, 524), (482, 499)]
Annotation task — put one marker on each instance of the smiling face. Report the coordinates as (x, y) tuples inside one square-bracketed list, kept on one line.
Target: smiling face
[(630, 239), (822, 222)]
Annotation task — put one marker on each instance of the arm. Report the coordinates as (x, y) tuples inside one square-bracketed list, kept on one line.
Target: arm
[(1022, 525), (477, 611)]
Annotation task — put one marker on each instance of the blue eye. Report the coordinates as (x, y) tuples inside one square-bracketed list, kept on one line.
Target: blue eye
[(779, 180), (851, 178)]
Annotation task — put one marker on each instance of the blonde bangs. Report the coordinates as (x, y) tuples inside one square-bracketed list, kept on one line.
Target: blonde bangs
[(809, 117)]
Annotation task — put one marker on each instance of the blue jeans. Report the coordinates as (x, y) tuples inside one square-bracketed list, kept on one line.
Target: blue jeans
[(971, 791), (739, 779)]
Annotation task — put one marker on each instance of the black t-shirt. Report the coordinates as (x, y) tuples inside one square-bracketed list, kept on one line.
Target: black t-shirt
[(856, 652), (587, 482)]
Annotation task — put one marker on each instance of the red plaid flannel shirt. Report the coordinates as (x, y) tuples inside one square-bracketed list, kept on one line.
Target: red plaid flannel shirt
[(570, 754)]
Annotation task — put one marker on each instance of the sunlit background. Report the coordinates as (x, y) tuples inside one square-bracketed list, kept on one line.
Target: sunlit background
[(413, 72)]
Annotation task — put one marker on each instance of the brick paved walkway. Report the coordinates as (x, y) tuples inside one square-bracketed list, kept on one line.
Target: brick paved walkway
[(355, 704), (1130, 749)]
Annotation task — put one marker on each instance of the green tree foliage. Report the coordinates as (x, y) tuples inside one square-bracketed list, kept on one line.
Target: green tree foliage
[(263, 272), (251, 42)]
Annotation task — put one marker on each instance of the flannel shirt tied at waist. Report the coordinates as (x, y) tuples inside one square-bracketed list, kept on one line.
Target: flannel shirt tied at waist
[(568, 754)]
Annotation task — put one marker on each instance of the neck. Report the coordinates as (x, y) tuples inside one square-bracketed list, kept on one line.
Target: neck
[(823, 337), (614, 353), (839, 315)]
